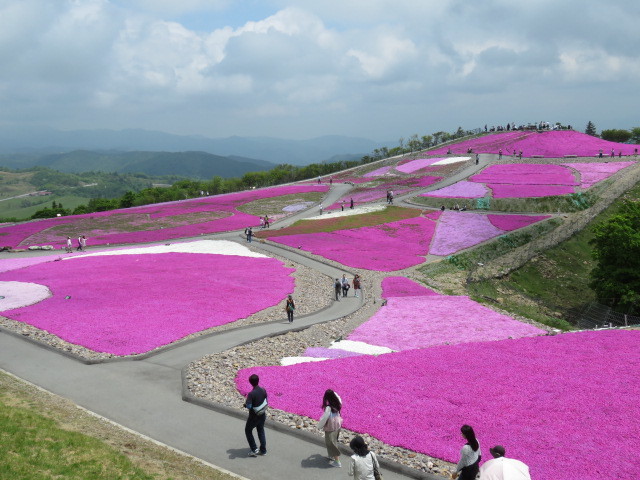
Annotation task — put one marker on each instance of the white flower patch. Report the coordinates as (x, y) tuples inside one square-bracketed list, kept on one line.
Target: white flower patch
[(450, 160), (360, 347), (295, 360), (212, 247), (347, 212), (21, 294)]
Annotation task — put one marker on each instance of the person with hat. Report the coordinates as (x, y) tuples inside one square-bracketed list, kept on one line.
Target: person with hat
[(502, 468)]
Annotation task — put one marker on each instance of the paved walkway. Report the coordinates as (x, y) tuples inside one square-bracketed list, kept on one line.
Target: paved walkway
[(146, 395)]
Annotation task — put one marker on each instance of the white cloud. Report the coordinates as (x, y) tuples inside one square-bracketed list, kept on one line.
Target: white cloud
[(377, 68)]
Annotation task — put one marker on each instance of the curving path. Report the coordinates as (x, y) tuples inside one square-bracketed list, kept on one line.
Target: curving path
[(146, 394)]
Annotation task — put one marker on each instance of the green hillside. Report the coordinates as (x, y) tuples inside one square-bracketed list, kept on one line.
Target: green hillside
[(197, 165)]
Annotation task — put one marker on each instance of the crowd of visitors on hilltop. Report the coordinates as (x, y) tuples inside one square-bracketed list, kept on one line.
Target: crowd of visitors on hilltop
[(530, 126)]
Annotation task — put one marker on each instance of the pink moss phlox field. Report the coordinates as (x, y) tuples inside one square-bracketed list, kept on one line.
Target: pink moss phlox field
[(552, 144), (415, 165), (407, 323), (365, 196), (377, 172), (558, 400), (526, 174), (129, 304), (502, 190), (19, 234), (592, 173), (16, 263), (461, 189), (387, 247), (514, 222), (318, 352), (403, 287), (459, 230)]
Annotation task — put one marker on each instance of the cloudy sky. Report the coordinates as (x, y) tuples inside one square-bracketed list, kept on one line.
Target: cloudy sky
[(379, 69)]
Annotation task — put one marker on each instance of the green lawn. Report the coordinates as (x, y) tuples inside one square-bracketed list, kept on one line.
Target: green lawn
[(44, 437), (14, 207)]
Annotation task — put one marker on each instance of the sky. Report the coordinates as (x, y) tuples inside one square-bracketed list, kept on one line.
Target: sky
[(378, 69)]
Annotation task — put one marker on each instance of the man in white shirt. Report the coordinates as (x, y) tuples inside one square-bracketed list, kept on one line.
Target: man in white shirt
[(502, 468)]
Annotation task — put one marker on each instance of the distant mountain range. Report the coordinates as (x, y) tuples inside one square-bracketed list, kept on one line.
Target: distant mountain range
[(200, 165), (43, 140)]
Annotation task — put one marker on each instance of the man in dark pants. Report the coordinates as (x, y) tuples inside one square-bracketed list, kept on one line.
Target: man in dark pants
[(257, 405), (337, 287)]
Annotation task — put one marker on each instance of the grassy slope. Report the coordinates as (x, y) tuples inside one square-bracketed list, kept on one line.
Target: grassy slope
[(14, 208), (43, 436)]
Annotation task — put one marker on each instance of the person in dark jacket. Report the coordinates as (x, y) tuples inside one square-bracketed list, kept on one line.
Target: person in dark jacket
[(257, 404)]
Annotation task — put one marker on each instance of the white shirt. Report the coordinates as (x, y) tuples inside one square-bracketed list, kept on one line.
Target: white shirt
[(504, 468)]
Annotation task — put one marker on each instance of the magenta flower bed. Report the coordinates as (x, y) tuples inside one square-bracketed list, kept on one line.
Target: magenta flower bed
[(442, 320), (556, 402), (365, 197), (387, 247), (403, 287), (130, 304), (525, 174), (501, 190), (459, 230), (552, 144), (592, 173), (461, 189), (377, 172), (24, 233)]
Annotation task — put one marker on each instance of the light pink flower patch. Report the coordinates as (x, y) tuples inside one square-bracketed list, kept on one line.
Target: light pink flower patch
[(501, 190), (459, 230), (462, 189), (377, 172), (387, 247), (514, 222), (130, 304), (557, 399), (406, 323), (21, 294), (525, 174), (415, 165), (403, 287), (318, 352), (592, 173)]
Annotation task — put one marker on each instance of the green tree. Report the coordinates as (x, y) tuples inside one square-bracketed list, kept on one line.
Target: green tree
[(615, 135), (635, 134), (591, 129), (616, 249)]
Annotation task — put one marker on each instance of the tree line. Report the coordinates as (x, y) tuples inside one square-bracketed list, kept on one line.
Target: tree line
[(618, 135)]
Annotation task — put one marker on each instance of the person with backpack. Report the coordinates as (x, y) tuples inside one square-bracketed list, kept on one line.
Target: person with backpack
[(337, 287), (331, 423), (256, 402), (290, 307)]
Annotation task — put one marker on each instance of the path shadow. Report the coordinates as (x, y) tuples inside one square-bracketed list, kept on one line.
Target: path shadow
[(316, 461)]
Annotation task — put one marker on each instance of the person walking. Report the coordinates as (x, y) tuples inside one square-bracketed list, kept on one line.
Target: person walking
[(351, 204), (470, 456), (345, 285), (83, 243), (356, 285), (290, 307), (331, 422), (363, 462), (256, 402), (69, 247), (266, 221), (337, 287), (79, 248), (249, 233)]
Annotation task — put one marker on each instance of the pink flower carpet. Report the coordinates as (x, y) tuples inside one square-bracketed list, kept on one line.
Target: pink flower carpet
[(131, 304), (594, 172), (461, 189), (551, 144), (405, 243), (403, 287), (554, 401)]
